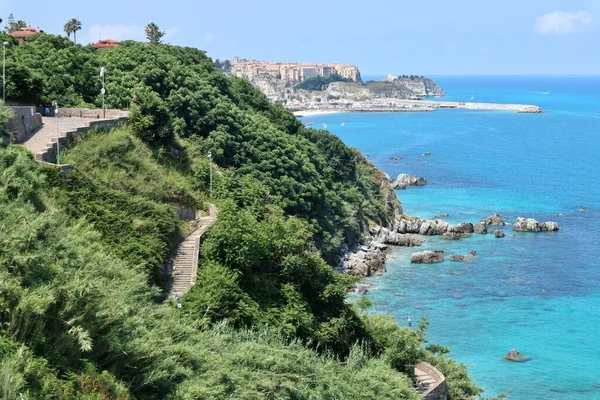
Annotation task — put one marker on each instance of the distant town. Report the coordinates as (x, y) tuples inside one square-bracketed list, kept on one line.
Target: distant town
[(291, 71)]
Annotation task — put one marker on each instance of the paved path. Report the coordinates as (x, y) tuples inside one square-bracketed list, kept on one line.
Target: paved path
[(43, 139), (185, 266)]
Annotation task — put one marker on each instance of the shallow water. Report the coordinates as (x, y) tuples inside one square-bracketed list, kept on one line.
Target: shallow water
[(539, 293)]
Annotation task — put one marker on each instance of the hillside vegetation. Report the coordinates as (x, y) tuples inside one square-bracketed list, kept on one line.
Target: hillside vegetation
[(84, 261)]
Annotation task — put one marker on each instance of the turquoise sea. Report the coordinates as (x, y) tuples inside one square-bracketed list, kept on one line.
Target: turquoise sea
[(538, 293)]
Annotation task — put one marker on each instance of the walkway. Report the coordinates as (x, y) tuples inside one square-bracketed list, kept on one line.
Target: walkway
[(431, 383), (42, 142), (185, 266)]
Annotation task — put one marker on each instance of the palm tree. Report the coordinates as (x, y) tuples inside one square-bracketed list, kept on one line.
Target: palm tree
[(72, 26)]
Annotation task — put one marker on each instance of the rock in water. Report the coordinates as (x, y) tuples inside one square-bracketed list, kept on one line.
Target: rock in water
[(454, 235), (550, 226), (531, 225), (427, 154), (499, 234), (493, 219), (515, 356), (480, 228), (526, 225), (409, 180), (460, 258), (427, 257)]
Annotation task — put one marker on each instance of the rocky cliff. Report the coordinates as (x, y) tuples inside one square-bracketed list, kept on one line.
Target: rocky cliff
[(400, 88)]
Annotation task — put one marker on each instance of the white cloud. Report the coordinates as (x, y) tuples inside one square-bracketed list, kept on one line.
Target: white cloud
[(209, 37), (171, 32), (563, 22), (116, 32)]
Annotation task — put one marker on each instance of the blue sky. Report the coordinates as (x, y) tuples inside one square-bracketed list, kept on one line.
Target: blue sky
[(432, 37)]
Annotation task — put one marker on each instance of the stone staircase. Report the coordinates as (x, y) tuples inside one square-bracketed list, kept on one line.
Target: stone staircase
[(185, 264), (431, 383), (42, 143)]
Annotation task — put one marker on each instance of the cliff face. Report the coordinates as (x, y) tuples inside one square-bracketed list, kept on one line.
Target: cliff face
[(401, 88)]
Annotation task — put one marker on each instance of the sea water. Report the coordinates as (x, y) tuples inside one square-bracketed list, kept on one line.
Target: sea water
[(536, 292)]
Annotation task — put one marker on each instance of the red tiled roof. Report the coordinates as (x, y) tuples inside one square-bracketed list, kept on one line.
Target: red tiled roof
[(24, 32), (104, 43)]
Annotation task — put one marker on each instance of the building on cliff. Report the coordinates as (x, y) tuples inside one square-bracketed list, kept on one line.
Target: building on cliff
[(290, 71), (23, 33)]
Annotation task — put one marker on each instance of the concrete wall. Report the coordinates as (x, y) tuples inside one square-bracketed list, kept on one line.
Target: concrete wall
[(437, 390), (25, 121), (97, 113)]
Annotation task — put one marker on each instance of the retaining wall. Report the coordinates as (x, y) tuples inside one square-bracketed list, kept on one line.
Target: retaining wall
[(25, 122), (437, 390), (97, 113)]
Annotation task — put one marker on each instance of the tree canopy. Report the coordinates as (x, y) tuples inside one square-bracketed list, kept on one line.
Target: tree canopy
[(153, 33)]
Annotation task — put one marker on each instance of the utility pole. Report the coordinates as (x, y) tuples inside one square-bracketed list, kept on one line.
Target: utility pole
[(4, 73), (210, 172), (103, 91), (55, 105)]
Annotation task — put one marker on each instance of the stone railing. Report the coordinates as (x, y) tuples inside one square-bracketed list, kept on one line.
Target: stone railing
[(437, 390), (97, 113), (25, 122)]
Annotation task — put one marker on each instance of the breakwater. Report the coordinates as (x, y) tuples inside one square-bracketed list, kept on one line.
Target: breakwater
[(399, 105)]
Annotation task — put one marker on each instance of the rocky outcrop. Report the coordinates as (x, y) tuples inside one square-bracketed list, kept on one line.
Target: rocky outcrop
[(493, 219), (514, 355), (427, 257), (366, 261), (531, 225), (480, 228), (400, 88), (454, 235), (499, 234), (549, 226), (399, 239), (460, 258), (404, 180)]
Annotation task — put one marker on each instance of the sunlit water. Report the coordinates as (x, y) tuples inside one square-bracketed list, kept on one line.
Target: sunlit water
[(538, 293)]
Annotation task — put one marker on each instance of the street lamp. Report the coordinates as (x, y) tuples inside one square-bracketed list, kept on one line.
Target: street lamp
[(210, 172), (4, 72), (55, 105), (103, 91), (178, 299)]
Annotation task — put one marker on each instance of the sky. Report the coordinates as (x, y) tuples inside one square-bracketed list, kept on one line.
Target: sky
[(433, 37)]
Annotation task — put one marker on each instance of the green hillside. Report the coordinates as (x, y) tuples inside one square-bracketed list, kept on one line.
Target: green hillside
[(84, 256)]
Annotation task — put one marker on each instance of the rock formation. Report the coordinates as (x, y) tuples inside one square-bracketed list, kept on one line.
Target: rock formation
[(499, 234), (514, 355), (427, 257), (531, 225), (404, 180), (480, 228), (458, 257), (493, 219), (454, 235)]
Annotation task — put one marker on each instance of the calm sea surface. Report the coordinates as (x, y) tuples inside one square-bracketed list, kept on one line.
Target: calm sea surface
[(538, 293)]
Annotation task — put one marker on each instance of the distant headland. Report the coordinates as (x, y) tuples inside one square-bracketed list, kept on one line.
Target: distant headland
[(309, 88)]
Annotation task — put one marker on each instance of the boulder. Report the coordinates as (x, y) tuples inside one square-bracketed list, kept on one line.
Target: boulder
[(499, 234), (514, 355), (396, 158), (363, 290), (493, 219), (427, 154), (526, 225), (454, 235), (427, 257), (459, 258), (407, 240), (432, 227), (409, 180), (549, 226), (409, 226), (398, 186), (480, 228)]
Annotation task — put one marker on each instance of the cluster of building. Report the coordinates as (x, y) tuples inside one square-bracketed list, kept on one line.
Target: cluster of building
[(26, 32), (290, 71)]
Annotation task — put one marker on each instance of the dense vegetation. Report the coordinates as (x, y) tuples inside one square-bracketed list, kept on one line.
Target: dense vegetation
[(317, 82), (84, 255)]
